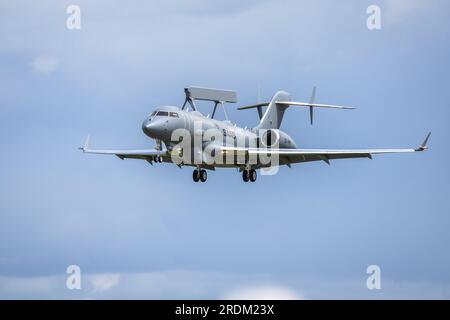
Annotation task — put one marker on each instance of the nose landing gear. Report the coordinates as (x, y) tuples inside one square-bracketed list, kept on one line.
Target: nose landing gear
[(199, 175)]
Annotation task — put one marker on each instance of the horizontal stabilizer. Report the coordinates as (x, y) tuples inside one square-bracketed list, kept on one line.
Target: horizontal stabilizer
[(283, 102), (258, 105), (314, 105)]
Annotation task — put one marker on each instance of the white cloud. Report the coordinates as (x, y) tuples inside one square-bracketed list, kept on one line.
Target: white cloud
[(45, 64), (264, 293), (104, 282), (182, 284)]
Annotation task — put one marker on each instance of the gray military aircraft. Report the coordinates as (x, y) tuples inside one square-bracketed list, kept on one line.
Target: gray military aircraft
[(188, 138)]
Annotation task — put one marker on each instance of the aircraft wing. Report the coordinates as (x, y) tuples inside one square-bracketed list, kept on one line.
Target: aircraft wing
[(288, 156), (144, 154)]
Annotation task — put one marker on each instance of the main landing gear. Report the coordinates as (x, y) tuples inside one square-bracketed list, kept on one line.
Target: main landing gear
[(199, 175), (202, 175), (249, 175)]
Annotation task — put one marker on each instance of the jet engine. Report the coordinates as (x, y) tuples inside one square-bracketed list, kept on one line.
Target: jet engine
[(270, 138)]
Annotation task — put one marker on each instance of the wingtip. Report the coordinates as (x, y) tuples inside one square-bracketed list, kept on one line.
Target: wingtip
[(86, 143), (424, 145)]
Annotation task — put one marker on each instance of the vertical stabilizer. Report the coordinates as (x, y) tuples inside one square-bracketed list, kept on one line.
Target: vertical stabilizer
[(274, 113)]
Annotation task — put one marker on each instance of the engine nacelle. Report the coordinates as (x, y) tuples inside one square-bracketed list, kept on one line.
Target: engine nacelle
[(270, 138), (274, 138)]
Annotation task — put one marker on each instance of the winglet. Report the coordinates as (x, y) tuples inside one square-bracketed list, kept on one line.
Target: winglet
[(86, 143), (424, 146)]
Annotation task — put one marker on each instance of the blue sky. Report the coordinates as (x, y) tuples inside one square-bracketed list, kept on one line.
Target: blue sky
[(139, 231)]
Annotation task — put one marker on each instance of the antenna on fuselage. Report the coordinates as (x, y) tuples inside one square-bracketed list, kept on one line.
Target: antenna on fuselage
[(189, 99), (218, 96), (258, 101)]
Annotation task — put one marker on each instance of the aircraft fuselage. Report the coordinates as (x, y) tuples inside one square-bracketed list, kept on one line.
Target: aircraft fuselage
[(167, 123)]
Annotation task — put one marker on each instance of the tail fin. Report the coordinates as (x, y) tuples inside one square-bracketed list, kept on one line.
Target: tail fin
[(274, 113)]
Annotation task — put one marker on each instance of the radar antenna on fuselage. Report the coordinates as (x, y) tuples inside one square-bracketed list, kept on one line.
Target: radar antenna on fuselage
[(218, 96)]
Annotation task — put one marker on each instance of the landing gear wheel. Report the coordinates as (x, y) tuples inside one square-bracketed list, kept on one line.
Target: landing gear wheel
[(252, 175), (195, 175), (245, 175), (203, 175)]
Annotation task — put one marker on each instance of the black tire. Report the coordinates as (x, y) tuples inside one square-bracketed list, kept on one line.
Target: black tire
[(253, 175), (245, 175), (195, 175), (203, 175)]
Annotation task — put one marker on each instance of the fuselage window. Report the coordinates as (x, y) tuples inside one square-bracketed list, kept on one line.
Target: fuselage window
[(173, 114)]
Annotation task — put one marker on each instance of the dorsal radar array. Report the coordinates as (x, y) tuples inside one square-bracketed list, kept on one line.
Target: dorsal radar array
[(218, 96)]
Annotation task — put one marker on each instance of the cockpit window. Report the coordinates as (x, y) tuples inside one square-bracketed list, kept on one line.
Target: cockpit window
[(164, 114)]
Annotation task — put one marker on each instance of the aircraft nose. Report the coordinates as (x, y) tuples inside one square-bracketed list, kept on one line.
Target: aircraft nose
[(154, 128)]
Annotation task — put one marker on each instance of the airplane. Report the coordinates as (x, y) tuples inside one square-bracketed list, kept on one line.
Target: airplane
[(232, 146)]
